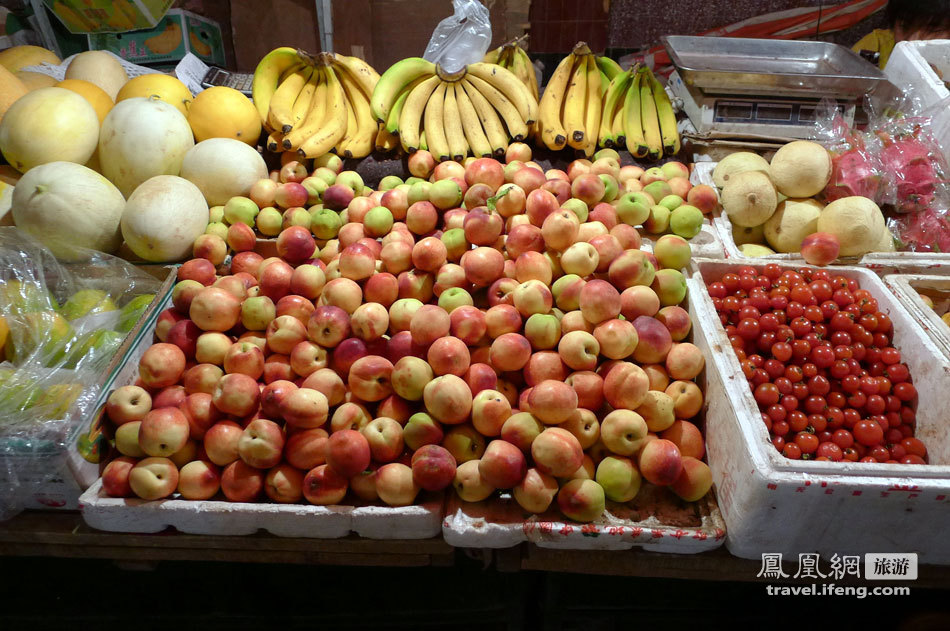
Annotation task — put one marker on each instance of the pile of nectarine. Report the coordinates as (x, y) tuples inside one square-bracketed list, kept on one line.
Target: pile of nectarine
[(490, 326)]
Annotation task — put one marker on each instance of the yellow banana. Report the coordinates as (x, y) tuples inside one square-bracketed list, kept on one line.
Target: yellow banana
[(385, 141), (609, 67), (361, 143), (594, 103), (667, 118), (281, 113), (267, 76), (392, 123), (632, 126), (361, 72), (575, 103), (528, 74), (617, 127), (452, 122), (434, 124), (492, 56), (613, 98), (350, 128), (471, 125), (314, 118), (649, 120), (509, 85), (275, 142), (305, 98), (410, 118), (491, 122), (394, 80), (334, 125), (553, 134), (422, 141), (517, 127)]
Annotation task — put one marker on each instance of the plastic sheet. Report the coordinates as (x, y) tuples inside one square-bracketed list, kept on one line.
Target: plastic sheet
[(462, 38), (61, 325)]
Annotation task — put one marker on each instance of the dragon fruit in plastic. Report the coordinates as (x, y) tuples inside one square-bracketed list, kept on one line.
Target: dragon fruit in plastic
[(925, 231), (854, 172), (912, 167)]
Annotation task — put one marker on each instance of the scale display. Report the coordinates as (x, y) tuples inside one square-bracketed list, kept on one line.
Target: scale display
[(768, 112)]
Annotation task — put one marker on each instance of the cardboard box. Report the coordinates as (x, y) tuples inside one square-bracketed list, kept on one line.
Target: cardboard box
[(177, 34), (108, 16)]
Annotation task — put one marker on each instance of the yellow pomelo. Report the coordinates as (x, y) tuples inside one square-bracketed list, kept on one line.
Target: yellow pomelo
[(11, 89), (34, 80), (162, 86), (21, 56), (97, 97), (222, 112)]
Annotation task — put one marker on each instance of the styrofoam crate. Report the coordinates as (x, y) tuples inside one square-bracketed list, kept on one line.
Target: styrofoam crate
[(909, 68), (772, 504), (221, 517), (500, 522), (908, 288)]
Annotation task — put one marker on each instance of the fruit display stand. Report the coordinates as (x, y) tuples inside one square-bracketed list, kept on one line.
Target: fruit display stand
[(220, 517), (908, 288), (772, 504)]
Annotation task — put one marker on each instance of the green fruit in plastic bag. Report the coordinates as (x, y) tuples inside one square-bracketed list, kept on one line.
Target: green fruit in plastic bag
[(45, 333), (133, 311), (85, 302), (18, 297), (94, 348)]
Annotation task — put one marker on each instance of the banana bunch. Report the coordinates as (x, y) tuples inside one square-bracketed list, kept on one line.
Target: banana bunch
[(314, 104), (477, 110), (512, 56), (637, 113), (571, 107)]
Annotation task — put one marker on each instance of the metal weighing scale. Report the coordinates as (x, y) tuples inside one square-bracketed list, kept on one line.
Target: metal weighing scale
[(760, 88)]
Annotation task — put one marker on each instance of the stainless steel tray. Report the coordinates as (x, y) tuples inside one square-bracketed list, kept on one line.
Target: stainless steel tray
[(732, 65)]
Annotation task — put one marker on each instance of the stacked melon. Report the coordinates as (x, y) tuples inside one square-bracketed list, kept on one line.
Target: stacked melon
[(773, 203)]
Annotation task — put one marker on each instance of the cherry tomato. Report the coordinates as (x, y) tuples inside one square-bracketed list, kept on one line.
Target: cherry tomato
[(868, 433), (780, 428), (819, 385), (800, 348), (759, 377), (897, 373), (840, 338), (717, 290), (842, 297), (830, 451), (794, 373), (783, 384), (765, 341), (790, 403), (883, 322), (851, 454), (851, 384), (784, 333), (836, 400), (875, 404), (814, 313), (766, 394), (792, 451), (795, 310), (897, 451), (809, 370), (777, 413), (808, 442), (815, 404), (749, 312), (858, 400), (768, 322), (767, 421), (868, 459), (914, 446), (800, 326), (779, 442), (800, 390), (782, 351), (905, 391), (839, 370), (772, 271), (869, 385), (817, 423), (880, 453), (913, 459), (851, 417), (823, 356), (843, 438)]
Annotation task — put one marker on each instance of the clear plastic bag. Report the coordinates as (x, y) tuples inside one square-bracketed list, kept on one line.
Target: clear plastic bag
[(856, 166), (62, 324), (462, 38)]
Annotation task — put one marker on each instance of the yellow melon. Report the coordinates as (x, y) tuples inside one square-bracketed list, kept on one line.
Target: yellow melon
[(222, 112), (35, 80), (11, 89), (97, 97), (99, 67), (161, 86), (21, 56)]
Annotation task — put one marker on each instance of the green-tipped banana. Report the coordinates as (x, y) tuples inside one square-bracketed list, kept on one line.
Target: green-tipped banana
[(632, 125), (608, 66), (649, 120), (394, 80), (267, 76), (410, 119), (667, 118), (616, 91)]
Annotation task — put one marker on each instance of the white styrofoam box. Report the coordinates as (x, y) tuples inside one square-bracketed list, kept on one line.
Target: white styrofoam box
[(772, 504), (502, 523), (909, 68), (219, 517), (880, 262), (908, 287)]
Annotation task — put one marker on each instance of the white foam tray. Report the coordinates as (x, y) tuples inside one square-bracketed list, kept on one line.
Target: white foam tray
[(501, 523), (909, 68), (772, 504), (906, 287), (220, 517)]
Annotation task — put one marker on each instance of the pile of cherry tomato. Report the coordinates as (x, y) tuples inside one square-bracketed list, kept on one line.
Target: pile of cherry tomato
[(817, 352)]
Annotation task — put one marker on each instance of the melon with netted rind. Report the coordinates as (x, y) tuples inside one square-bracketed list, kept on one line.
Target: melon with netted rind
[(856, 221)]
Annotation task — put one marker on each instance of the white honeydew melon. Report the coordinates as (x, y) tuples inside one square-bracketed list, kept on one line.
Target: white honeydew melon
[(65, 204), (48, 125), (738, 162), (163, 217), (856, 221), (749, 198), (142, 138), (794, 219), (223, 168)]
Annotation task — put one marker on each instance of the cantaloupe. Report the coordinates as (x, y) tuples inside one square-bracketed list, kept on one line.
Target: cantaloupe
[(794, 219), (749, 198), (856, 221), (736, 163), (98, 67), (800, 169)]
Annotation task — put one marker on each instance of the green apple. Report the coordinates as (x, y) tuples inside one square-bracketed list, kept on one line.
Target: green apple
[(455, 243), (619, 477), (419, 192), (453, 298), (577, 207), (351, 179), (325, 174), (86, 301), (672, 202), (378, 221), (269, 221), (445, 194), (325, 223), (216, 213), (389, 182), (658, 189), (543, 331), (670, 286), (217, 228), (132, 312), (240, 209), (686, 221), (607, 153), (658, 221), (672, 251), (633, 208), (315, 187), (611, 188)]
